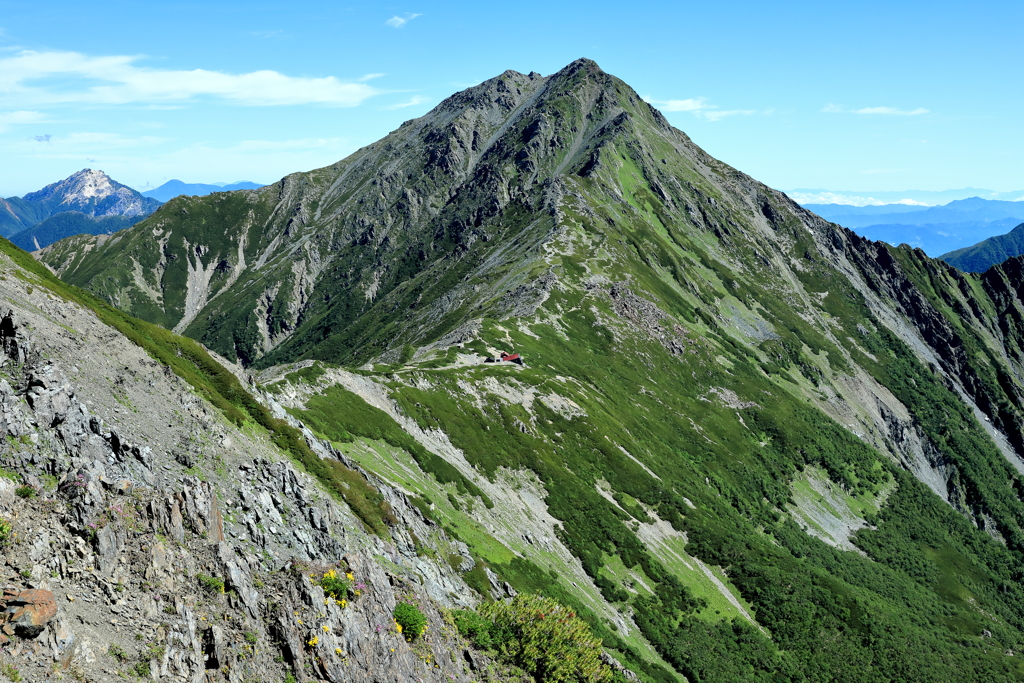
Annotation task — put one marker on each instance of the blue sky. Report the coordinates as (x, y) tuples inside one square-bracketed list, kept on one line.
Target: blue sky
[(854, 96)]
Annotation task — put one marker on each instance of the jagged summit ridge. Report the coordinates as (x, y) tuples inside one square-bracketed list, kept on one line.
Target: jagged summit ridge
[(437, 187), (85, 184), (93, 193)]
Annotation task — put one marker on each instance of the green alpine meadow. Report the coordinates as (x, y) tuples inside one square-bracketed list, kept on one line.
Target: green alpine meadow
[(740, 443)]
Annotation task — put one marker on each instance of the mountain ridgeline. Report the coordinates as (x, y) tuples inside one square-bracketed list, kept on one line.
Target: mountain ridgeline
[(174, 188), (745, 443), (987, 253)]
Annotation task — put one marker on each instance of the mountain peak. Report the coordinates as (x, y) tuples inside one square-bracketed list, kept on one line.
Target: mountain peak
[(90, 192), (85, 185)]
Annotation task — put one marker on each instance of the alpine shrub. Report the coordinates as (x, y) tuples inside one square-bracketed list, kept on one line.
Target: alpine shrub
[(411, 621), (547, 640)]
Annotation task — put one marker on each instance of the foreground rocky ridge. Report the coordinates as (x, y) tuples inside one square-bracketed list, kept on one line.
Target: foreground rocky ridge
[(167, 543)]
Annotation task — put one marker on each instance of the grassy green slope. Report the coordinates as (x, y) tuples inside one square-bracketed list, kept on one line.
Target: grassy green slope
[(914, 608)]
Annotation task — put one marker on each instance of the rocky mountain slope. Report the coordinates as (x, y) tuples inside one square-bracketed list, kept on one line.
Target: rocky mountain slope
[(744, 443), (84, 196)]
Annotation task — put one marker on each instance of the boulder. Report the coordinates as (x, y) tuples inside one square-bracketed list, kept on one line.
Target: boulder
[(28, 612)]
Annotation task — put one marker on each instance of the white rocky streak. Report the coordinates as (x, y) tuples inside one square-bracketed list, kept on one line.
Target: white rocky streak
[(197, 284)]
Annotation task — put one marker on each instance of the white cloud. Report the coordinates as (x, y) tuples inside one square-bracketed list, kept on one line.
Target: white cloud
[(28, 78), (369, 77), (693, 104), (413, 101), (891, 111), (699, 106), (884, 111), (398, 22), (834, 198), (14, 118)]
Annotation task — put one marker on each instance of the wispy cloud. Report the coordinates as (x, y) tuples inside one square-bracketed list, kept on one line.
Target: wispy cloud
[(874, 111), (698, 106), (826, 197), (892, 111), (398, 22), (680, 105), (412, 102), (41, 138), (32, 78), (369, 77), (14, 118)]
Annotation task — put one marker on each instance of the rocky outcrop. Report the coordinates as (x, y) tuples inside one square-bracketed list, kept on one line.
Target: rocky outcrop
[(192, 561)]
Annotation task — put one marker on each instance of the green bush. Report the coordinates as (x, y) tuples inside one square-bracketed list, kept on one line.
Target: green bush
[(411, 621), (546, 640), (474, 628), (117, 652), (6, 532), (26, 491), (212, 584), (335, 586)]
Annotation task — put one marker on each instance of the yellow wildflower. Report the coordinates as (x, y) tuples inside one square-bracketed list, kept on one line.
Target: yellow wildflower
[(350, 577), (398, 627), (312, 642), (337, 650), (344, 603), (326, 628)]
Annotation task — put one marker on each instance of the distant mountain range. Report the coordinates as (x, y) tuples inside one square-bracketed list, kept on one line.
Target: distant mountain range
[(959, 211), (935, 229), (174, 188), (89, 202), (912, 197)]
